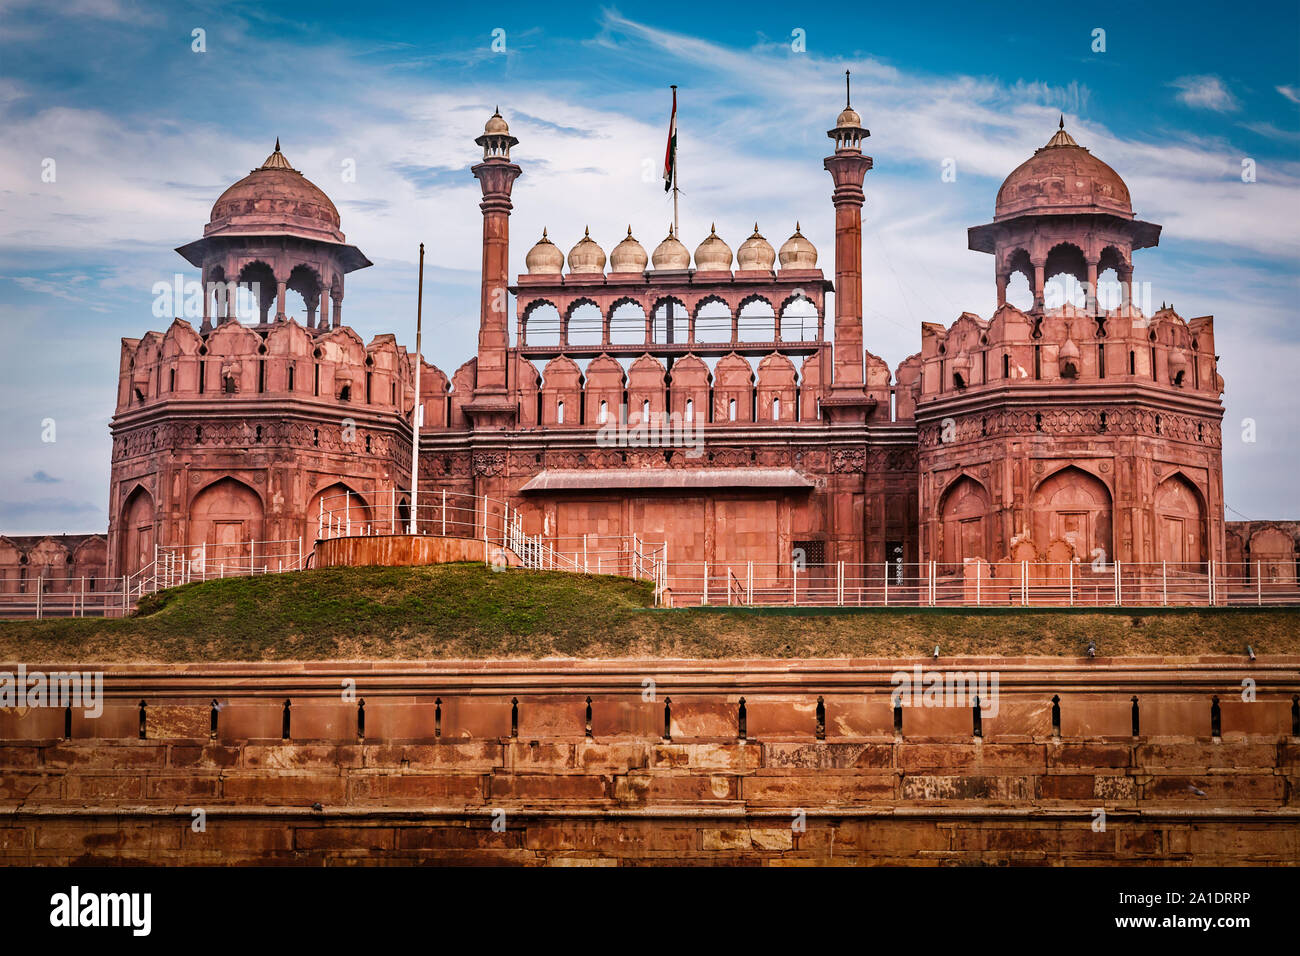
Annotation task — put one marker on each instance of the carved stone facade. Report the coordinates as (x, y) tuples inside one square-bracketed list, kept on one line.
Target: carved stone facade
[(1047, 434)]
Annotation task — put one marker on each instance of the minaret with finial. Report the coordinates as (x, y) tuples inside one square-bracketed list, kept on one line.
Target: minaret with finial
[(491, 407), (848, 168)]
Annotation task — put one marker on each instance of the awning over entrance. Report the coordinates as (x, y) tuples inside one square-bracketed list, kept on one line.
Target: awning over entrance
[(668, 479)]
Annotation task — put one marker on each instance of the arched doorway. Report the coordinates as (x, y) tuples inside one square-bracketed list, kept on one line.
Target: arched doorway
[(1073, 506), (1180, 522), (338, 507), (225, 517), (964, 522), (1272, 557), (135, 532)]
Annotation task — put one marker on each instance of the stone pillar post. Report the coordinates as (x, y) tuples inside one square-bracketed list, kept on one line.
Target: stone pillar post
[(846, 401), (1003, 280), (1091, 301), (280, 288), (204, 276), (491, 406)]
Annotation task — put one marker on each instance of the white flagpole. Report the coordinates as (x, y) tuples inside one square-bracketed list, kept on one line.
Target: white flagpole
[(415, 413)]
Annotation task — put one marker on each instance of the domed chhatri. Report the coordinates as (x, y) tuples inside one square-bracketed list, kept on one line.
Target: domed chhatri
[(496, 139), (797, 252), (1063, 177), (848, 118), (496, 124), (713, 255), (755, 254), (628, 256), (670, 255), (544, 258), (276, 199), (586, 258)]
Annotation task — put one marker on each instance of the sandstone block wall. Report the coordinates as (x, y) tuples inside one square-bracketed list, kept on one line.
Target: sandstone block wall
[(427, 780)]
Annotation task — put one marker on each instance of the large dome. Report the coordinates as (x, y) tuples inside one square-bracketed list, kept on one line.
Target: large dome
[(275, 199), (1061, 178)]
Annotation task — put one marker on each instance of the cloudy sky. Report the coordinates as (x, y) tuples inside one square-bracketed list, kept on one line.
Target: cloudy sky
[(145, 131)]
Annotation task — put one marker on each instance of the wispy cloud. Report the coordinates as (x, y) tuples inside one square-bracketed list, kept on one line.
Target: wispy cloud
[(1205, 92)]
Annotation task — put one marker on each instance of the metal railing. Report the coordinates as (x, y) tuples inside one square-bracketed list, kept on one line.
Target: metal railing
[(500, 526), (979, 584), (172, 565)]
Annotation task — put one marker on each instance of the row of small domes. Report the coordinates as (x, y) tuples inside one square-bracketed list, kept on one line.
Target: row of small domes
[(712, 255)]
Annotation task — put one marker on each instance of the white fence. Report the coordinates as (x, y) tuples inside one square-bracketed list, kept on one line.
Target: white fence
[(679, 583), (979, 584), (173, 565), (442, 513)]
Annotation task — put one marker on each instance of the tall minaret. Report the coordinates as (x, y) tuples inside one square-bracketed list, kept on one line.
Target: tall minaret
[(491, 407), (848, 167)]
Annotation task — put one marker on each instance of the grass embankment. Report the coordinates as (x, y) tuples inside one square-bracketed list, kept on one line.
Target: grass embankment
[(469, 611)]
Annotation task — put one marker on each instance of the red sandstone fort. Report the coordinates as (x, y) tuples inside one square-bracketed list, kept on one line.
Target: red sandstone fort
[(1042, 437)]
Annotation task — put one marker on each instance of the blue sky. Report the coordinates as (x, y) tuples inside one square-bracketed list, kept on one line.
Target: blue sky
[(146, 133)]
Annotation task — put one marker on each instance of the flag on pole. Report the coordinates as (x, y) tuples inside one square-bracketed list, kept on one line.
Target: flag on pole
[(670, 157)]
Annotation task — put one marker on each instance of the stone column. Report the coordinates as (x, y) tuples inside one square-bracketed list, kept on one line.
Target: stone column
[(491, 405), (204, 276), (848, 168), (1040, 280), (280, 288), (1091, 301), (1004, 279), (324, 310)]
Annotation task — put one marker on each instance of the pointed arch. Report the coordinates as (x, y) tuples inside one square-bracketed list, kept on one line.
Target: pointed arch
[(135, 531), (224, 516), (1180, 521), (965, 521), (338, 504), (1074, 506)]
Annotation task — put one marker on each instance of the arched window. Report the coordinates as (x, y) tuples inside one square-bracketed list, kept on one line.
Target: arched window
[(776, 409), (645, 411), (690, 410), (731, 409), (559, 413), (604, 412)]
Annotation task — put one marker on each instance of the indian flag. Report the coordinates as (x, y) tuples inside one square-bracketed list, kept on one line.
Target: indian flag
[(670, 157)]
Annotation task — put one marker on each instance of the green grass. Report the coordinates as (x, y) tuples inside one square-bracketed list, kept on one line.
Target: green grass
[(469, 611)]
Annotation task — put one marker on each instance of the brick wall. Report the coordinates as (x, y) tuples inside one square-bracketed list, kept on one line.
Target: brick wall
[(935, 795)]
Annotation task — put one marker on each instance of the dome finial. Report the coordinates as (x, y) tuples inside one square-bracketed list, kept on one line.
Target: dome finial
[(277, 144), (1062, 124), (848, 99)]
